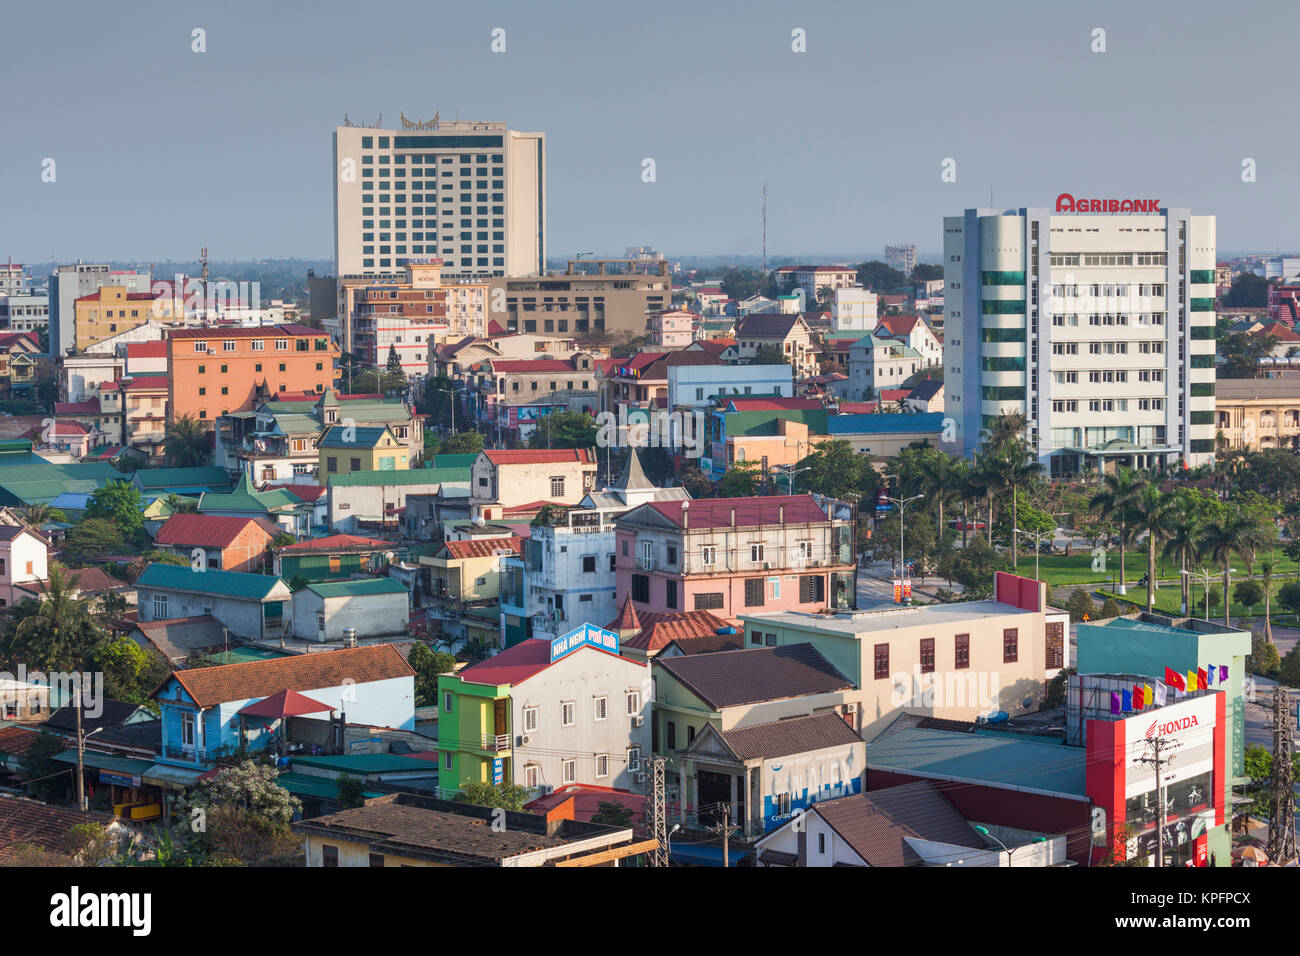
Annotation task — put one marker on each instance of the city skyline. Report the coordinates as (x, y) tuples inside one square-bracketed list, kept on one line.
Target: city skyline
[(247, 174)]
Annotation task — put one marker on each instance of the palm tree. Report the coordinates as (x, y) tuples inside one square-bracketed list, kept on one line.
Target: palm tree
[(187, 443), (1114, 502), (1005, 428), (938, 481), (62, 612), (39, 513), (1266, 572), (1239, 534), (1183, 538), (1152, 509)]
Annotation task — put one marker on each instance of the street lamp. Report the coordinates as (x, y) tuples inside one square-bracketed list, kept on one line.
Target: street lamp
[(668, 843), (1206, 576), (1037, 537), (983, 831), (452, 393), (790, 475), (901, 504)]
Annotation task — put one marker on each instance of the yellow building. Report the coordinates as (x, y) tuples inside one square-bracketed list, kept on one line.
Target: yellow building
[(346, 448), (1257, 413), (111, 310), (468, 570)]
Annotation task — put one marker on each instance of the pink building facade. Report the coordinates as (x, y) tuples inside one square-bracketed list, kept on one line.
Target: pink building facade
[(733, 556)]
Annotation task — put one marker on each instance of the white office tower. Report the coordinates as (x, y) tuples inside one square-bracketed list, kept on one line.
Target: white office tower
[(1095, 319)]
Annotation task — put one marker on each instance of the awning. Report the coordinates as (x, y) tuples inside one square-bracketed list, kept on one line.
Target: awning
[(704, 854), (305, 785), (285, 703), (777, 858), (174, 778), (102, 761)]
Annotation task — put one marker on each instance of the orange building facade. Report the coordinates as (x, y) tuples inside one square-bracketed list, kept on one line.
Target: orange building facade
[(216, 372)]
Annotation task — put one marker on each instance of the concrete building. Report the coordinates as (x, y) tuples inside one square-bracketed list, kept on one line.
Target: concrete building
[(471, 193), (876, 364), (69, 283), (913, 331), (1257, 413), (217, 542), (377, 499), (24, 563), (901, 256), (543, 714), (812, 279), (82, 376), (113, 309), (592, 295), (787, 333), (330, 611), (1095, 319), (511, 477), (24, 312), (670, 329), (253, 606), (854, 310), (13, 278), (954, 661), (345, 449), (731, 554)]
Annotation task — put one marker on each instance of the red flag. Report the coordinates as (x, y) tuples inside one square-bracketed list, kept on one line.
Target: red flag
[(1175, 679), (1139, 699), (1201, 680)]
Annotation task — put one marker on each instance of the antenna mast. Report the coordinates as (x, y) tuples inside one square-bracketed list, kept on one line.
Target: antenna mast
[(764, 227)]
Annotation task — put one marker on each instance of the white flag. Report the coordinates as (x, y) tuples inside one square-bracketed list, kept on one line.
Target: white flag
[(1162, 693)]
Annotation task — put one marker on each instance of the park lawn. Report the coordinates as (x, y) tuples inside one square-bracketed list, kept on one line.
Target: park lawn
[(1058, 570), (1168, 598)]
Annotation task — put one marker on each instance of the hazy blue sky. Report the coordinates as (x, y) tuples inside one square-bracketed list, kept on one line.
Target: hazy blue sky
[(161, 150)]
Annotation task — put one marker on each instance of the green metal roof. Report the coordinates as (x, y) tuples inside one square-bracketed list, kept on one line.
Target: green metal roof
[(237, 584), (182, 477), (307, 786), (453, 461), (362, 436), (416, 476), (993, 756), (367, 763), (92, 758), (44, 482), (246, 498), (330, 589)]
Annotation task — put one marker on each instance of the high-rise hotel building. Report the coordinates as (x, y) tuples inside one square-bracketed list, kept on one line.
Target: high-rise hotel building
[(472, 194), (1095, 319)]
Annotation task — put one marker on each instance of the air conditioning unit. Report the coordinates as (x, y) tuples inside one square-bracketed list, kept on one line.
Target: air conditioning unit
[(638, 721), (212, 351), (640, 777), (547, 788)]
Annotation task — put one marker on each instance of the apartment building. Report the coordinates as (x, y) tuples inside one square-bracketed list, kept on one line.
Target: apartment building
[(788, 334), (218, 371), (512, 477), (670, 329), (517, 393), (731, 554), (24, 312), (471, 193), (1095, 319), (69, 283), (854, 310), (876, 364), (812, 279), (952, 661), (139, 406), (592, 295), (113, 309)]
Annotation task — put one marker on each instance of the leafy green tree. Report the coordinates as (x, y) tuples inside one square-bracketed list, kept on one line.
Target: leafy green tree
[(1081, 606), (769, 355), (1110, 608), (1289, 672), (564, 430), (39, 513), (1264, 658), (1152, 510), (1215, 597), (507, 796), (1115, 501), (93, 538), (180, 504), (1248, 593), (119, 502), (1288, 595), (463, 443), (188, 443), (610, 813), (696, 483), (428, 664), (130, 672), (297, 583), (741, 480), (837, 470), (55, 633), (974, 565), (44, 774), (1248, 291), (878, 276), (351, 791)]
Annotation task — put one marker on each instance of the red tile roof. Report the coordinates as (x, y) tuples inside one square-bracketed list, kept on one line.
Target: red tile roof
[(301, 672), (335, 542), (143, 383), (304, 492), (894, 394), (858, 408), (716, 512), (146, 349), (537, 456), (26, 823), (899, 324), (627, 619), (773, 404), (204, 531), (17, 740), (658, 630), (483, 547), (524, 366), (516, 664), (76, 408)]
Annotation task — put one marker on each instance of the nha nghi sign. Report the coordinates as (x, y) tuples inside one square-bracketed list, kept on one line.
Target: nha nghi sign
[(581, 636)]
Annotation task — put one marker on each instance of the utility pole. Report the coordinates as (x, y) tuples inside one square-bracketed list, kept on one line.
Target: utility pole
[(1155, 748), (1281, 820), (764, 227), (81, 749), (725, 829), (658, 808)]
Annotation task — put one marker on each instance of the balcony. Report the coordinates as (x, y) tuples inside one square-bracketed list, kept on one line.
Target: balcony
[(194, 755), (646, 562), (496, 742)]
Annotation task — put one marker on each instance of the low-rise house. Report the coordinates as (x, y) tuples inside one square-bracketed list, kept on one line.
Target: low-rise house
[(193, 482), (376, 500), (201, 707), (468, 571), (766, 772), (645, 635), (413, 830), (24, 563), (925, 396), (253, 606), (547, 713), (34, 834), (280, 507), (914, 331), (345, 449), (331, 558), (877, 363), (219, 542), (178, 640), (351, 610), (516, 476), (787, 333)]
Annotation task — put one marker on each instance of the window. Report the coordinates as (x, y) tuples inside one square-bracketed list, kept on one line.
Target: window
[(672, 735), (200, 345), (530, 719), (187, 729), (557, 486), (708, 554), (602, 765), (670, 594), (754, 592), (927, 655), (531, 776), (882, 661), (1010, 645), (961, 652), (708, 601), (812, 589), (570, 770), (601, 708), (589, 564), (329, 855), (821, 844), (634, 759), (641, 588), (756, 552), (568, 713), (1055, 644), (633, 702), (376, 859), (446, 702)]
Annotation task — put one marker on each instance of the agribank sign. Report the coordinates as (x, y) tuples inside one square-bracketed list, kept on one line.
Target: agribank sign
[(1067, 203)]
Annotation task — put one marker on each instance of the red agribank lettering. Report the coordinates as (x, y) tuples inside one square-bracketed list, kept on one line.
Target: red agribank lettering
[(1183, 723), (1067, 203)]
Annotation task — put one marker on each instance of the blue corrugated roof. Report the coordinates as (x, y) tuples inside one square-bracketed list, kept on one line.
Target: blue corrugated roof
[(889, 424)]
